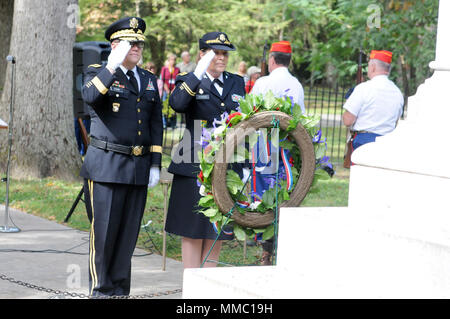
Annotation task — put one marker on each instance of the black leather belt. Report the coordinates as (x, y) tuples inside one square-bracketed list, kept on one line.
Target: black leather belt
[(123, 149), (360, 132)]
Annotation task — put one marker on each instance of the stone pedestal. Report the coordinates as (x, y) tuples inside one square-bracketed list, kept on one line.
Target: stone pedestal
[(342, 253)]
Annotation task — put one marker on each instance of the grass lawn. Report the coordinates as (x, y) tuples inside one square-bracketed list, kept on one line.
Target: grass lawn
[(52, 199)]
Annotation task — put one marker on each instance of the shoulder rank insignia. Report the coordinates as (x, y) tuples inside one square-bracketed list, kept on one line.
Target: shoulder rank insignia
[(94, 65), (182, 73)]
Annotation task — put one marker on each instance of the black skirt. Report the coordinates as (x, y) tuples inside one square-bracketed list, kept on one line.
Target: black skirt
[(183, 216)]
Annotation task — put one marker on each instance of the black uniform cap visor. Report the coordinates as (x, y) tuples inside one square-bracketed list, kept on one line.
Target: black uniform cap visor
[(204, 46)]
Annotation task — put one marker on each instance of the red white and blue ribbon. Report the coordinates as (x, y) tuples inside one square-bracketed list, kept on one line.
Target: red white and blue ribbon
[(287, 167), (216, 229)]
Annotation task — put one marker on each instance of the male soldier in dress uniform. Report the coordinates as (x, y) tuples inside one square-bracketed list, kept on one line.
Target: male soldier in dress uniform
[(374, 106), (124, 155)]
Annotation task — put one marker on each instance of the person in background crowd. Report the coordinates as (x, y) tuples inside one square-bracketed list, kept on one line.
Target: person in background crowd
[(242, 71), (169, 73), (253, 74), (186, 65)]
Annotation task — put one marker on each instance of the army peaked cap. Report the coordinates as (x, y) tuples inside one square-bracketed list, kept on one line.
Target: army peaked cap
[(216, 41), (129, 28)]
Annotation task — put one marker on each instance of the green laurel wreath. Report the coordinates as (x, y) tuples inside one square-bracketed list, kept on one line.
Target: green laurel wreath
[(214, 138)]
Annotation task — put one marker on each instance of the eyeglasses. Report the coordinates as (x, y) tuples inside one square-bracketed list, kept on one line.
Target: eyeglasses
[(139, 44)]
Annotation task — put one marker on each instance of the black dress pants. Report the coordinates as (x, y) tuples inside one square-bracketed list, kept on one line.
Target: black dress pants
[(117, 211)]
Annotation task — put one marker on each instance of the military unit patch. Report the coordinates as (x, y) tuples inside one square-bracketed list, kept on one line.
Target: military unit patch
[(150, 86)]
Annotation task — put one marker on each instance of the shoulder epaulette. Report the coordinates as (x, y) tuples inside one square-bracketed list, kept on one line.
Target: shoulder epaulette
[(95, 65), (182, 73)]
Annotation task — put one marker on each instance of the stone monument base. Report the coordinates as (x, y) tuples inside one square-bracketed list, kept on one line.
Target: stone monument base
[(342, 253)]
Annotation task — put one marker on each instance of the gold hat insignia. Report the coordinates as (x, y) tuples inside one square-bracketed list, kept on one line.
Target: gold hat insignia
[(134, 23)]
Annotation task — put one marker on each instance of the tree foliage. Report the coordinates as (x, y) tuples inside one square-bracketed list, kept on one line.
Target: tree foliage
[(326, 35)]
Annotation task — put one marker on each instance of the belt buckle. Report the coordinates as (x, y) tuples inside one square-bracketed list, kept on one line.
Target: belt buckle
[(136, 150)]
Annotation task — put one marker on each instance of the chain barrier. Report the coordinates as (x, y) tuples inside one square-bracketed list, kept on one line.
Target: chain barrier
[(84, 296)]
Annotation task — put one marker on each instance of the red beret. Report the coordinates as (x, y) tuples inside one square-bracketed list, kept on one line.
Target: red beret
[(282, 46), (382, 55)]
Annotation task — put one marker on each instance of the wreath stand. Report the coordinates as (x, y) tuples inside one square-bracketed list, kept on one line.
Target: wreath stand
[(268, 119)]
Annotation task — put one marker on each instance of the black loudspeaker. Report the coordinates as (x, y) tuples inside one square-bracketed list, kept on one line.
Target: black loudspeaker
[(85, 54)]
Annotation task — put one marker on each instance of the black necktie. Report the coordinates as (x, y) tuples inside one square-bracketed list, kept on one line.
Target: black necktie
[(218, 82), (133, 80)]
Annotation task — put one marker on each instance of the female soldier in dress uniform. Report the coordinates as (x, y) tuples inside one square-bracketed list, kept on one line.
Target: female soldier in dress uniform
[(202, 95)]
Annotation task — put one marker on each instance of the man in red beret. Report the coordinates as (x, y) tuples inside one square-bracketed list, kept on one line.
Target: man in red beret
[(280, 81), (374, 106)]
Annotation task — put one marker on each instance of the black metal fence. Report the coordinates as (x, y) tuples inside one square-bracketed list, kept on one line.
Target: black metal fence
[(173, 131), (327, 102)]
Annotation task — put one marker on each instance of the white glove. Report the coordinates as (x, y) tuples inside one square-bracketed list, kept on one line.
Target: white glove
[(153, 177), (203, 64), (118, 54), (246, 174)]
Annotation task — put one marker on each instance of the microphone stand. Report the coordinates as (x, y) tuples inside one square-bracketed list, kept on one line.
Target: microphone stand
[(6, 228)]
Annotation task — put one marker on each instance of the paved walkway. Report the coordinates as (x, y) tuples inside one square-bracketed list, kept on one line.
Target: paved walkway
[(54, 256)]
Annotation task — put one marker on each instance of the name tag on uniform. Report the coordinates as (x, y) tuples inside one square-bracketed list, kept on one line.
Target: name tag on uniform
[(116, 89), (202, 97)]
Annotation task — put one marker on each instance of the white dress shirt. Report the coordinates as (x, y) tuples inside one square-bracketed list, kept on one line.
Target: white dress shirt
[(217, 86), (377, 105), (281, 83)]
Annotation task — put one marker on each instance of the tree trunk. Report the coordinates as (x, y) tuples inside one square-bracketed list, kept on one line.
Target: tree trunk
[(6, 18), (44, 144)]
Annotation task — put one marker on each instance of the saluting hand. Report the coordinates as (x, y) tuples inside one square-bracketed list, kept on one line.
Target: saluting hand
[(117, 55), (203, 64)]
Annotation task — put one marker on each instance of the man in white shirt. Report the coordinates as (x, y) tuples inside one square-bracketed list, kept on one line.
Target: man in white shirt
[(280, 81), (374, 106)]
